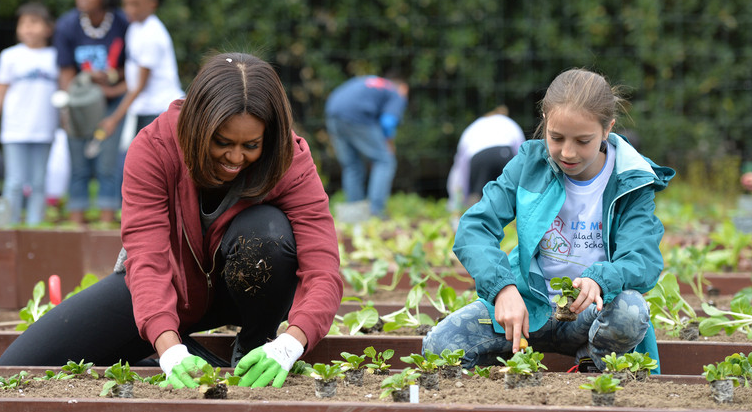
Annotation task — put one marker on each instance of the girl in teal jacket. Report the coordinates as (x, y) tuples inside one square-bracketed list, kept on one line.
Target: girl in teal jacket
[(583, 200)]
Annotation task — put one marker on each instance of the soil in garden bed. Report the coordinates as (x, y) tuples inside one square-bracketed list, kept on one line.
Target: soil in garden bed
[(557, 389)]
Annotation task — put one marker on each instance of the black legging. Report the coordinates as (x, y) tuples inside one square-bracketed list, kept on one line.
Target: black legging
[(487, 165), (97, 324)]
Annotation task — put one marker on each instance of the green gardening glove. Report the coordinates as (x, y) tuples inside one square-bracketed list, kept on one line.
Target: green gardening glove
[(180, 367), (272, 361)]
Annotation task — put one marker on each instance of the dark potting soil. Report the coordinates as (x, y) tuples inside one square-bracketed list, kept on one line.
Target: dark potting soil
[(556, 389)]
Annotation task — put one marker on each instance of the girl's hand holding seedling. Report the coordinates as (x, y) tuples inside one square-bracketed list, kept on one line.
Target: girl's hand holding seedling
[(512, 315), (272, 361), (180, 367), (590, 291)]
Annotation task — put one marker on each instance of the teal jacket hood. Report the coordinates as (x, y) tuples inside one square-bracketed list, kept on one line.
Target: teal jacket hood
[(531, 191)]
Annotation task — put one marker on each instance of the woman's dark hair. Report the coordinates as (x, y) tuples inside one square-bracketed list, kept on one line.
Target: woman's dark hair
[(230, 84)]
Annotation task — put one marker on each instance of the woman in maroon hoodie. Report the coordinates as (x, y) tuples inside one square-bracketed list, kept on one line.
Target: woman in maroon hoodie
[(225, 221)]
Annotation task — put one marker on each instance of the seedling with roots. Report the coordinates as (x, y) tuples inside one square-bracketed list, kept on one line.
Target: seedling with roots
[(353, 367), (524, 362), (378, 360), (568, 294), (121, 377), (399, 381), (604, 383)]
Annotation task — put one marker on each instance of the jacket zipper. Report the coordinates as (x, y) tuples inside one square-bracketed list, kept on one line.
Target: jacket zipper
[(611, 213), (208, 276)]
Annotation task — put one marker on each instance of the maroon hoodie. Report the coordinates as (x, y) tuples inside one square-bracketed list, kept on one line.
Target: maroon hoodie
[(171, 267)]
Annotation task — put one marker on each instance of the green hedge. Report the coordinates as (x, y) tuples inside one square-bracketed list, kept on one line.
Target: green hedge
[(687, 64)]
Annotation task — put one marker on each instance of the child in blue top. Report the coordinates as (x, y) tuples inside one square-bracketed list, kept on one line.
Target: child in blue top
[(28, 77), (583, 200)]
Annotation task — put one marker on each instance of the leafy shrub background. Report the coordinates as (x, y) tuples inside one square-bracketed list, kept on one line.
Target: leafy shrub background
[(687, 65)]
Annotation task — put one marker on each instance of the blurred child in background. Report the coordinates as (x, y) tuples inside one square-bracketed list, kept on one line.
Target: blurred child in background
[(28, 77)]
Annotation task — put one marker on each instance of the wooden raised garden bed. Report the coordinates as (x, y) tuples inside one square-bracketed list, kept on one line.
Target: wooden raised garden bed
[(28, 256)]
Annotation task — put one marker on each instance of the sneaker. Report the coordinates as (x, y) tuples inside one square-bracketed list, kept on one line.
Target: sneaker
[(586, 365)]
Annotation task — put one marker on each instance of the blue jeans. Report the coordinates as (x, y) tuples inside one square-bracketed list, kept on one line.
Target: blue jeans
[(619, 327), (352, 141), (105, 168), (26, 164)]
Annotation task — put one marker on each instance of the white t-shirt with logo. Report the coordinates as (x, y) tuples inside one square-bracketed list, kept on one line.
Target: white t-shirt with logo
[(148, 44), (575, 240), (31, 75)]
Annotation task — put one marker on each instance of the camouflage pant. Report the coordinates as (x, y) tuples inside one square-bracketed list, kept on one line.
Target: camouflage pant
[(619, 327)]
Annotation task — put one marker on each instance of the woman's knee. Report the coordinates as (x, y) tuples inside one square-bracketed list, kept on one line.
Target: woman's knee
[(259, 249)]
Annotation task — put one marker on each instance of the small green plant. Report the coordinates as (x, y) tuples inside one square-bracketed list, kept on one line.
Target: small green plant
[(616, 363), (405, 318), (722, 371), (366, 317), (212, 376), (744, 363), (71, 370), (740, 314), (640, 362), (350, 362), (483, 372), (35, 309), (668, 309), (447, 300), (399, 381), (378, 359), (687, 265), (118, 374), (300, 367), (524, 362), (155, 379), (366, 283), (325, 372), (603, 383), (14, 381), (564, 284), (452, 358), (429, 363)]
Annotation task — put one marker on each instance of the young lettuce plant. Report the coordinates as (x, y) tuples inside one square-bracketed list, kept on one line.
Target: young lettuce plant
[(35, 309), (213, 385), (452, 367), (365, 318), (14, 381), (428, 367), (71, 370), (668, 309), (399, 382), (603, 383), (378, 360), (524, 362), (568, 294), (366, 283), (121, 380), (741, 318), (447, 300), (353, 367), (405, 318)]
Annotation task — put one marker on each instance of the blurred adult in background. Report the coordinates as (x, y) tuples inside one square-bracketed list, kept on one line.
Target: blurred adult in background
[(91, 38), (28, 78), (485, 147), (362, 116), (151, 70)]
